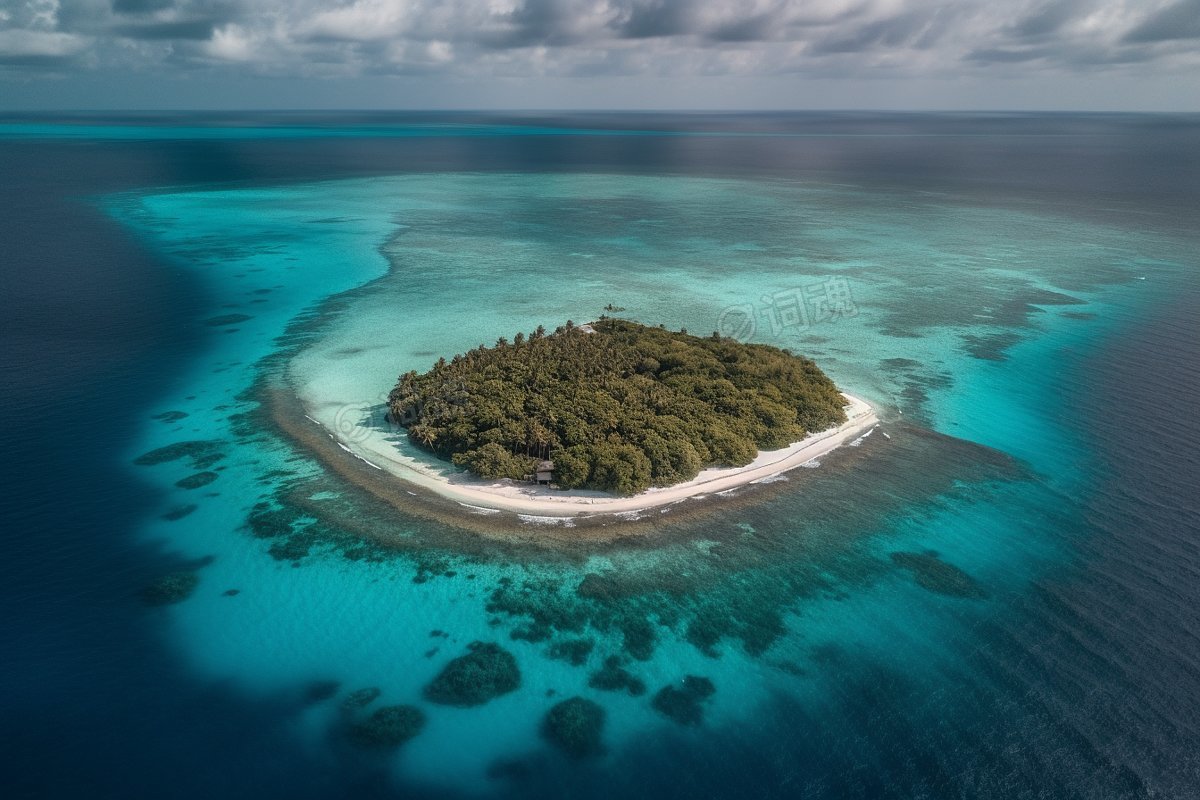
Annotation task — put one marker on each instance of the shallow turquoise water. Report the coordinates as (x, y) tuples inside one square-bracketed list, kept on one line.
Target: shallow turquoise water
[(962, 324)]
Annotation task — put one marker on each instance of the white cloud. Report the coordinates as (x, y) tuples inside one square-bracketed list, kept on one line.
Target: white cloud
[(234, 43)]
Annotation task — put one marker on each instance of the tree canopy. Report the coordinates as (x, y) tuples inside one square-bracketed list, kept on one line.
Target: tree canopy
[(620, 409)]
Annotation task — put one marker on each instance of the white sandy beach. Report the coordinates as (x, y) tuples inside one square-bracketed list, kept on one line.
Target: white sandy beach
[(388, 450)]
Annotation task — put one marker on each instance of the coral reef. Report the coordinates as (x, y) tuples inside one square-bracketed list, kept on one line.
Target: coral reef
[(484, 673), (197, 480), (935, 575), (615, 678), (684, 704), (360, 698), (179, 512), (172, 588), (319, 691), (202, 454), (390, 726), (575, 726), (573, 651)]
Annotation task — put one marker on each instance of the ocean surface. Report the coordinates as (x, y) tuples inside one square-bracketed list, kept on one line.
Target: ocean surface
[(995, 594)]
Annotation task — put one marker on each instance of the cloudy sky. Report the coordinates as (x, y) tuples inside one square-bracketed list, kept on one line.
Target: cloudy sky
[(982, 54)]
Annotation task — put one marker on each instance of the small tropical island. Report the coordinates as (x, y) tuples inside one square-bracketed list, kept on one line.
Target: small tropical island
[(619, 408)]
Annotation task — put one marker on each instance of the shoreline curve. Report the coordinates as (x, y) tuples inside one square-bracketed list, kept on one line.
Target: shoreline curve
[(384, 448)]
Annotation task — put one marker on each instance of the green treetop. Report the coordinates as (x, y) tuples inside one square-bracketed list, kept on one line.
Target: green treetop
[(621, 409)]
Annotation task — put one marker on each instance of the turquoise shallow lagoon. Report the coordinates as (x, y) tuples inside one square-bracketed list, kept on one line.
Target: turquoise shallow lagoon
[(953, 320), (994, 594)]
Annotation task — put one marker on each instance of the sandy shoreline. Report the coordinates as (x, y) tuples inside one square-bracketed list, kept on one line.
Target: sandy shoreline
[(386, 449)]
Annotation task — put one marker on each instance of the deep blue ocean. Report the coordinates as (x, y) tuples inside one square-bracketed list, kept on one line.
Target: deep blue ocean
[(997, 594)]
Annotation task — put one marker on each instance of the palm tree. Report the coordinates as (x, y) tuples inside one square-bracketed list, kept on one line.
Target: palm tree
[(423, 435)]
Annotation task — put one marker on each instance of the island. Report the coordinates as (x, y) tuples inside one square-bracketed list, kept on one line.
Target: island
[(609, 417)]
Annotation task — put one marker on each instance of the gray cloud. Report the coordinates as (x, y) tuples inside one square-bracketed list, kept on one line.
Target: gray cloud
[(1050, 18), (198, 29), (140, 6), (471, 40), (1179, 21), (649, 19)]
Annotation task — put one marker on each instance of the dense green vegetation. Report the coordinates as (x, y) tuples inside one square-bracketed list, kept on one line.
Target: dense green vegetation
[(621, 409)]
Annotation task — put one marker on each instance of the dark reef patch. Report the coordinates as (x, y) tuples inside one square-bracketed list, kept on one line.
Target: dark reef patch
[(575, 726), (171, 416), (930, 572), (320, 691), (173, 588), (598, 587), (514, 769), (550, 606), (226, 319), (990, 347), (737, 616), (613, 677), (684, 704), (179, 512), (637, 634), (200, 453), (197, 480), (361, 698), (269, 522), (293, 547), (573, 651), (390, 726), (484, 673)]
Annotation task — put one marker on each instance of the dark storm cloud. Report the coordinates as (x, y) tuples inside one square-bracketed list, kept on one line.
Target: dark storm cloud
[(33, 61), (1179, 21), (535, 22), (757, 28), (1001, 56), (140, 6), (474, 39), (892, 32), (1050, 18), (650, 19), (199, 29)]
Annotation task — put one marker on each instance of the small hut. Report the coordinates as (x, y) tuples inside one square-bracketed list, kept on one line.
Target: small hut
[(545, 472)]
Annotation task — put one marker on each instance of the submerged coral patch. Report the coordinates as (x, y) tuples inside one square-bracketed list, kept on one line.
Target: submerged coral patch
[(484, 673), (179, 512), (172, 588), (360, 698), (930, 572), (390, 726), (196, 481), (226, 319), (573, 651), (319, 691), (202, 454), (612, 677), (684, 704), (575, 726)]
